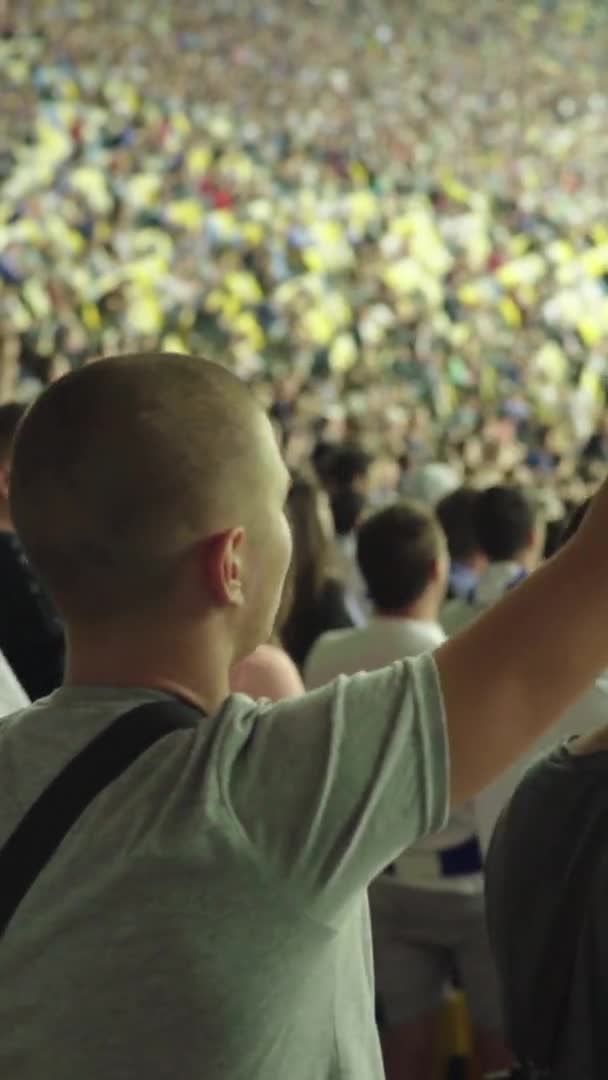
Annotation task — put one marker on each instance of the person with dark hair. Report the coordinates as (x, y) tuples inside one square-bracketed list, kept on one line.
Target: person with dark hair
[(504, 521), (318, 600), (402, 557), (456, 513), (427, 909), (212, 868), (546, 887), (31, 637), (511, 537), (347, 468), (348, 508)]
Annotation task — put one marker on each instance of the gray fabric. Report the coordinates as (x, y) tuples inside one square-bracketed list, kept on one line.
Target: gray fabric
[(206, 919), (421, 936), (546, 888)]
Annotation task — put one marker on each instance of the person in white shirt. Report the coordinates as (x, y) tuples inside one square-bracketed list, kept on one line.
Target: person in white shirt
[(511, 537), (428, 914)]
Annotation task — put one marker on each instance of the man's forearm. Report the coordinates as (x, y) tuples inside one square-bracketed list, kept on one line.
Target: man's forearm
[(512, 674)]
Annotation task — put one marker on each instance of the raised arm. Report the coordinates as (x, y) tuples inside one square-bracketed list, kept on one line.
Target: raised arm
[(515, 671)]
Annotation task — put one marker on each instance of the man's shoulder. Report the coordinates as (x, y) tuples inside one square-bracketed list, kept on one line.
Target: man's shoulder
[(337, 641), (419, 637), (326, 657), (456, 614)]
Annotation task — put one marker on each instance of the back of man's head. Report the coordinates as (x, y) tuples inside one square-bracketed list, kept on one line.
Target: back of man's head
[(456, 516), (504, 522), (120, 467), (401, 552)]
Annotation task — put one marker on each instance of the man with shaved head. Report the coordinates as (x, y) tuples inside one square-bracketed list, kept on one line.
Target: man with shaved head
[(205, 915)]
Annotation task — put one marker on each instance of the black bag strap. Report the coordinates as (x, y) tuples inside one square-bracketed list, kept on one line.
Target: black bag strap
[(38, 835)]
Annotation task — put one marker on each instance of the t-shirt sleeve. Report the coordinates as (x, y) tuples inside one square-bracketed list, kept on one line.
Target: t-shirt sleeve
[(330, 788)]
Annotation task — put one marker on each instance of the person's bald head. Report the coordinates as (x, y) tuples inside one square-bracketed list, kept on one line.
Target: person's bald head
[(120, 467)]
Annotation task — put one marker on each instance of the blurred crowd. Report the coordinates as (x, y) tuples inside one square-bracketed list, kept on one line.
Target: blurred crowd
[(389, 218), (289, 187)]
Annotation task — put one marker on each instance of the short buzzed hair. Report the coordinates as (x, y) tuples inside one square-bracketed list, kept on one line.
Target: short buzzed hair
[(120, 467), (397, 551)]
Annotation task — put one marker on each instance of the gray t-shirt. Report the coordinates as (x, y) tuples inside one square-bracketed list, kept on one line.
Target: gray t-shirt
[(546, 891), (206, 918)]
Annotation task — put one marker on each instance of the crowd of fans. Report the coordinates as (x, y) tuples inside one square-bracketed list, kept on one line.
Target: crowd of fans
[(397, 236), (291, 187)]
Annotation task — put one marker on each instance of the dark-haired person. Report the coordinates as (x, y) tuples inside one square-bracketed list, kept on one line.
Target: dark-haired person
[(208, 909), (427, 910), (318, 601), (510, 535), (402, 557), (467, 560), (347, 468), (348, 509), (31, 636)]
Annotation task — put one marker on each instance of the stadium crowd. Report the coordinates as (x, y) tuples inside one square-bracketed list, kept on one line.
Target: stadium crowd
[(323, 217), (396, 236)]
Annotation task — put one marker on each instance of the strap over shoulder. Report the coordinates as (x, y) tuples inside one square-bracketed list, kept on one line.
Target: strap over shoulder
[(56, 810)]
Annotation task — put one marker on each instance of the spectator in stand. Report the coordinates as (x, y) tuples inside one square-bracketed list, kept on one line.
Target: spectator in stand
[(546, 887), (428, 915), (318, 602), (511, 536), (430, 483), (348, 509), (31, 636), (467, 560), (219, 883), (347, 468)]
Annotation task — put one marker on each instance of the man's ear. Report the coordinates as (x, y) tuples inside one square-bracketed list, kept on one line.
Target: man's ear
[(223, 567)]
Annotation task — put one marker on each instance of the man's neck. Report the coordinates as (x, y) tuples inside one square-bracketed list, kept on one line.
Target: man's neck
[(193, 670), (6, 525), (424, 610)]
